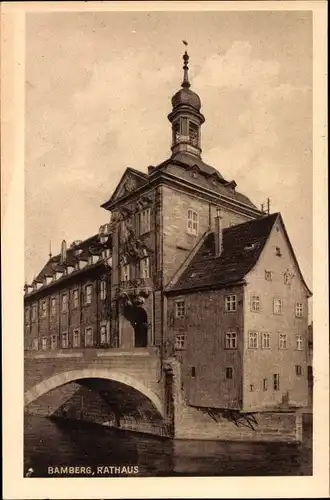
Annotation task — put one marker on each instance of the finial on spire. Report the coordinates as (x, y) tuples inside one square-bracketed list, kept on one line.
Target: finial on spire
[(185, 57), (50, 249)]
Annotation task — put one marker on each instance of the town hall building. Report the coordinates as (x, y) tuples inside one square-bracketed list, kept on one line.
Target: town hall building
[(190, 266)]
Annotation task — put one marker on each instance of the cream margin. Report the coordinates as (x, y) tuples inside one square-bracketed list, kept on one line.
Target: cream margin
[(12, 176)]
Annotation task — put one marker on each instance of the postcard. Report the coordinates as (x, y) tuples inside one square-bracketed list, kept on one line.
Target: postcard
[(165, 296)]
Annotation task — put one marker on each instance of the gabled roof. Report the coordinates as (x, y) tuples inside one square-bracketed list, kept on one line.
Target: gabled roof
[(130, 181), (235, 260), (242, 247)]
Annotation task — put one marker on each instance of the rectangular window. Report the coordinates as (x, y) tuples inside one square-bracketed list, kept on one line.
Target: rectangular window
[(43, 311), (192, 222), (145, 221), (34, 313), (180, 341), (298, 370), (299, 310), (103, 290), (229, 372), (44, 343), (253, 340), (193, 372), (251, 388), (64, 303), (282, 341), (145, 268), (53, 342), (103, 334), (125, 274), (255, 303), (53, 306), (180, 309), (35, 344), (231, 340), (265, 384), (278, 252), (65, 340), (88, 337), (75, 298), (299, 342), (88, 294), (265, 340), (230, 303), (276, 382), (278, 306), (76, 337), (268, 275), (27, 315)]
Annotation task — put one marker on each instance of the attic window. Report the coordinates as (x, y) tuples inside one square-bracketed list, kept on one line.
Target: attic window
[(250, 246), (278, 252)]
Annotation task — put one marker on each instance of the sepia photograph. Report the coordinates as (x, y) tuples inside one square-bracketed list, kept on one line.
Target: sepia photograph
[(168, 281)]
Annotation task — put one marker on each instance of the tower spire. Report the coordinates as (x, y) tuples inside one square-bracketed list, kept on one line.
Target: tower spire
[(185, 83), (50, 249)]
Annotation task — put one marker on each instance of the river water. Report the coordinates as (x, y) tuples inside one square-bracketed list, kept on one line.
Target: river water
[(98, 450)]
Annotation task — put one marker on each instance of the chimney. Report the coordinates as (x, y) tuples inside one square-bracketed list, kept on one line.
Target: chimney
[(218, 233), (63, 252)]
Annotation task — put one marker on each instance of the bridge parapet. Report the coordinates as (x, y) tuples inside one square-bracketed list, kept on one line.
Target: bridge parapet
[(142, 364)]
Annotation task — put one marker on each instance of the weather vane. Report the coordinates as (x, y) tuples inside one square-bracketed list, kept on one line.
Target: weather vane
[(185, 43)]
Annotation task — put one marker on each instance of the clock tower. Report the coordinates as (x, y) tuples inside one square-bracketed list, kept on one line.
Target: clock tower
[(186, 118)]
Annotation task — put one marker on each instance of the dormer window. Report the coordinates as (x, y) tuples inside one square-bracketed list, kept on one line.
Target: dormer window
[(278, 252), (192, 222)]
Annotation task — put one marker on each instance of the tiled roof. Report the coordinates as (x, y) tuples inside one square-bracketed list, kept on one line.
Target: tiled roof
[(208, 178), (89, 246), (242, 245)]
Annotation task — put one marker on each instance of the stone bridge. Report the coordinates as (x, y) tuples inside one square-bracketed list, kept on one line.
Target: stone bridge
[(129, 381)]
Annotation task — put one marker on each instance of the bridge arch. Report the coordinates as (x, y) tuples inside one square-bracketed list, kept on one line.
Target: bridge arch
[(91, 373)]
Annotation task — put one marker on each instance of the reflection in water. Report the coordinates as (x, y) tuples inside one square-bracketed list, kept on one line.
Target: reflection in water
[(67, 443)]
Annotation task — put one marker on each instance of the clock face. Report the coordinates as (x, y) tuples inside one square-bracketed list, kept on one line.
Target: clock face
[(130, 184)]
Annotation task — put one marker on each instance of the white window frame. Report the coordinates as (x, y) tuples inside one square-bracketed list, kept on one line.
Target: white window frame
[(298, 370), (192, 222), (255, 303), (75, 298), (277, 306), (299, 310), (106, 338), (88, 293), (299, 342), (27, 315), (253, 340), (89, 329), (180, 309), (265, 340), (282, 341), (230, 303), (125, 272), (53, 345), (230, 340), (64, 303), (34, 312), (43, 309), (180, 341), (75, 337), (53, 306), (145, 221), (145, 268), (265, 384), (35, 344), (103, 289), (44, 343), (64, 340)]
